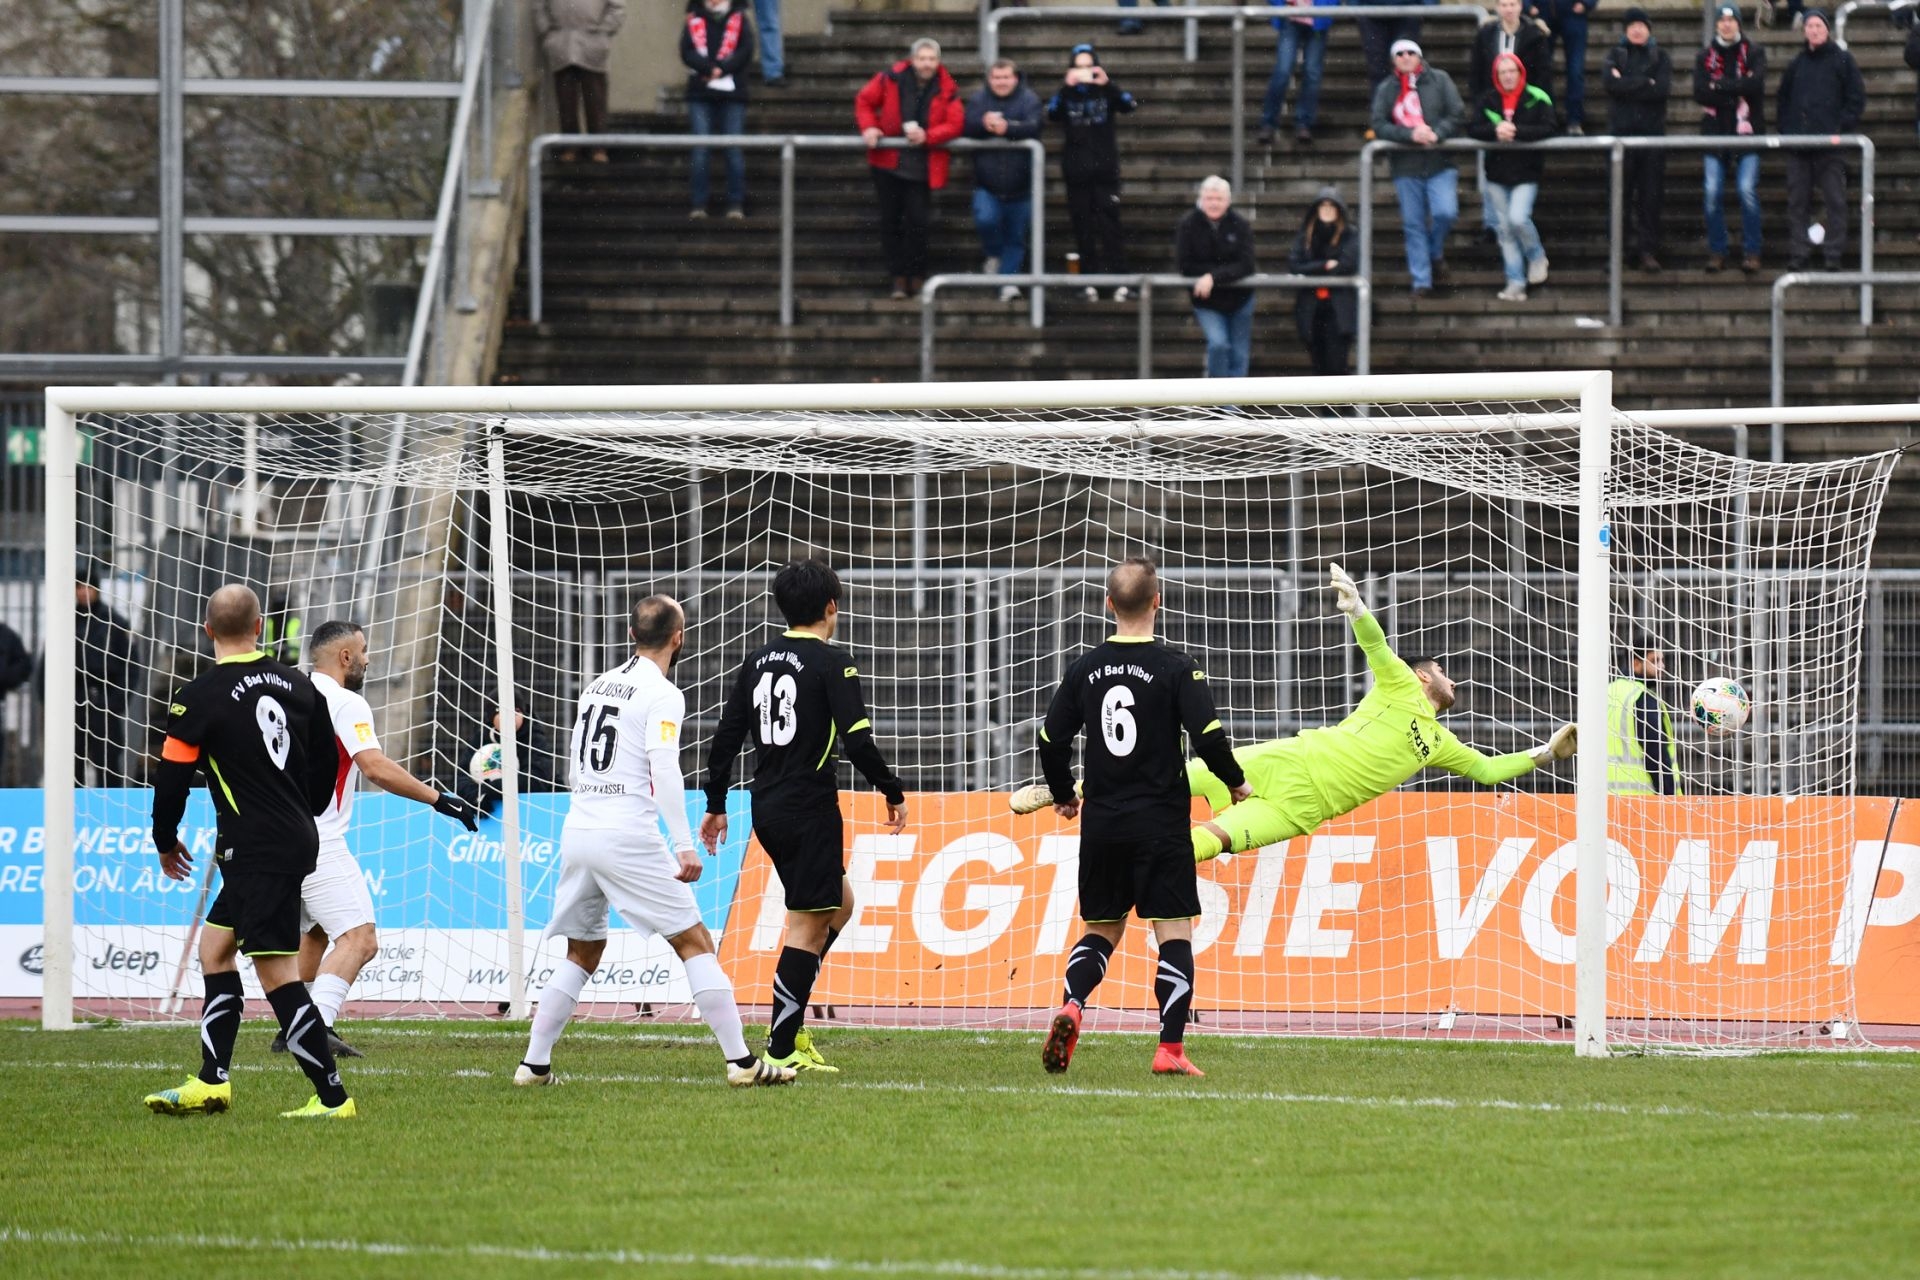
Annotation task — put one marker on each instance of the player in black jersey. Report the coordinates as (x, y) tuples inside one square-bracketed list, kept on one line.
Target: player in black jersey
[(261, 732), (800, 696), (1134, 695)]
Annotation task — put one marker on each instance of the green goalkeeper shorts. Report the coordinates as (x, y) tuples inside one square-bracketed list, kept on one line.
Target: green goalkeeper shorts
[(1284, 803)]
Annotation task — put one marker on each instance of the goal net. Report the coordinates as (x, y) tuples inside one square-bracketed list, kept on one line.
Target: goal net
[(492, 557)]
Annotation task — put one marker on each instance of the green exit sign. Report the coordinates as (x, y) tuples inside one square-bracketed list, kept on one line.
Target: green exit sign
[(26, 447)]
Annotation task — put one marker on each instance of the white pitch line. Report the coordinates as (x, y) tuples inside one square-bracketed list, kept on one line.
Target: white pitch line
[(1380, 1101), (642, 1259)]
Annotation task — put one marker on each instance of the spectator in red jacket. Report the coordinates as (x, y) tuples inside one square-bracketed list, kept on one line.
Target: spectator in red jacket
[(917, 100)]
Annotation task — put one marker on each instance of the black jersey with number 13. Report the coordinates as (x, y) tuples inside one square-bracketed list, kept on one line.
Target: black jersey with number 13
[(1134, 696), (797, 698)]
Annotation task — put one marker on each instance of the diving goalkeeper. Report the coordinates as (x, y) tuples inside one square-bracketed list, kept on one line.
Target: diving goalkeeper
[(1395, 732)]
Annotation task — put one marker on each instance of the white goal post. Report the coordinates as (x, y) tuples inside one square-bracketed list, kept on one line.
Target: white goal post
[(828, 427)]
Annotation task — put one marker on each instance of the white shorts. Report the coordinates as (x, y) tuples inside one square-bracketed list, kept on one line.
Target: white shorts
[(633, 874), (335, 896)]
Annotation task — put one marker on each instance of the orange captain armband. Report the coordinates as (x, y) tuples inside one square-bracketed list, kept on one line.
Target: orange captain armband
[(179, 752)]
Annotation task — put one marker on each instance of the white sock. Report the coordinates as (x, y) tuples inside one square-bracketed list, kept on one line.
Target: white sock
[(329, 992), (556, 1008), (714, 996)]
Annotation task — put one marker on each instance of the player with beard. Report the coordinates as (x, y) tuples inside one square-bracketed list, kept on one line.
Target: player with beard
[(1300, 782), (625, 760), (334, 903)]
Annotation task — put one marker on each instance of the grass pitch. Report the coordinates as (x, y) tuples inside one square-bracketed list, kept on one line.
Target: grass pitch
[(952, 1154)]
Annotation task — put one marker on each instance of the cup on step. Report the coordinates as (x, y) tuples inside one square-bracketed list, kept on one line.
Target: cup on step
[(1073, 264)]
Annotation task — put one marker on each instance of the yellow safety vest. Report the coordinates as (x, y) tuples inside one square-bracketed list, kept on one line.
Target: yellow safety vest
[(287, 649), (1627, 773)]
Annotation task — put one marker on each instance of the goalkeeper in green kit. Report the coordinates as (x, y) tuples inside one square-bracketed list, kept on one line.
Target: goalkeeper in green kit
[(1395, 732)]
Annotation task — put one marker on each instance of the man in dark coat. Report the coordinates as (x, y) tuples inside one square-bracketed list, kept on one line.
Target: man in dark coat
[(1638, 76), (1004, 108), (1820, 93), (102, 684)]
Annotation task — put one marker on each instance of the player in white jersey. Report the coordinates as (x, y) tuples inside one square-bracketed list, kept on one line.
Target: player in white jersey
[(625, 765), (334, 903)]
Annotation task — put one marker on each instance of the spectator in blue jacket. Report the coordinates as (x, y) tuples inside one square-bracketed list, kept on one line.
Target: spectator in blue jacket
[(1567, 23), (1298, 35), (1003, 180)]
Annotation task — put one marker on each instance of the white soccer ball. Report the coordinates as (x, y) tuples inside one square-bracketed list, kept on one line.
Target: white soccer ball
[(485, 765), (1721, 705)]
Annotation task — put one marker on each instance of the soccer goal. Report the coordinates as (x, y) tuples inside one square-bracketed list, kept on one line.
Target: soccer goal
[(1517, 526)]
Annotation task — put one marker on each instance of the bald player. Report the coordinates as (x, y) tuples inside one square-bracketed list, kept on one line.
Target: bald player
[(1300, 782), (260, 730)]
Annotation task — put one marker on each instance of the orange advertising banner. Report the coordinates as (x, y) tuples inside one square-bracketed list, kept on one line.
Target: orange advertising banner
[(1741, 908)]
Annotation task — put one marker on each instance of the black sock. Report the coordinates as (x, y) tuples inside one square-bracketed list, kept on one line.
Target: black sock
[(538, 1070), (747, 1061), (833, 936), (792, 985), (1086, 966), (219, 1025), (307, 1040), (1173, 989)]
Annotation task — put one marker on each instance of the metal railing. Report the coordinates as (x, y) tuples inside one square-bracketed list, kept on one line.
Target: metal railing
[(1777, 327), (1617, 147), (1144, 284), (1847, 10), (170, 225), (788, 145), (1238, 16)]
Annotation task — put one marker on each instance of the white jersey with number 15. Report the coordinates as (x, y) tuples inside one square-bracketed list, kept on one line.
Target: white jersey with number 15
[(624, 714)]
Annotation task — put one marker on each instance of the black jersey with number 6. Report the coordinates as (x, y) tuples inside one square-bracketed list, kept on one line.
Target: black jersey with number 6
[(797, 698), (259, 729), (1134, 696)]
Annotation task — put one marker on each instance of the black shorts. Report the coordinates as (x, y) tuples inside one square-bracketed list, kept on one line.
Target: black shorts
[(260, 908), (1154, 879), (808, 850)]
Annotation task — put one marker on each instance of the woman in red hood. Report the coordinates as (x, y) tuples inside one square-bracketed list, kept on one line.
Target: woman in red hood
[(1511, 114)]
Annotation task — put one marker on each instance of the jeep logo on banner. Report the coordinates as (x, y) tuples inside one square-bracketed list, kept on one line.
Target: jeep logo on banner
[(32, 959)]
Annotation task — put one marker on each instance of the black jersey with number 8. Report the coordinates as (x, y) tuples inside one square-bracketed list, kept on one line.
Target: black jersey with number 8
[(258, 728), (797, 699)]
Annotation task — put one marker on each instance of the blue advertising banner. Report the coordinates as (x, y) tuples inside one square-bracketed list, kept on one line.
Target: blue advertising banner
[(423, 870)]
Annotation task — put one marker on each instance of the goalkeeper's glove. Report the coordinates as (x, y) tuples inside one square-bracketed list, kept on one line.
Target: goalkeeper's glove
[(1559, 747), (454, 806), (1345, 594)]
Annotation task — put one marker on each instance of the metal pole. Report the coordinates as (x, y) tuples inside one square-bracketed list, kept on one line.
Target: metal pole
[(927, 295), (1616, 199), (62, 503), (989, 34), (1037, 201), (1193, 43), (1590, 768), (1866, 228), (1363, 192), (1239, 103), (173, 184), (500, 552), (1777, 339), (786, 234), (1145, 326), (1363, 296), (535, 233)]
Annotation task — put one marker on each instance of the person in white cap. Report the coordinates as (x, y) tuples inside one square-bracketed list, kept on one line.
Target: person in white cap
[(1419, 107)]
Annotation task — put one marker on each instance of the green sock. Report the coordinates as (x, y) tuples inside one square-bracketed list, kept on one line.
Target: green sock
[(1206, 845)]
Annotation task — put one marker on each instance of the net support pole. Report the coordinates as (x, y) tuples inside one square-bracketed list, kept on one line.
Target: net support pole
[(56, 879), (500, 554), (1594, 603)]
